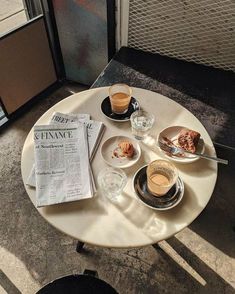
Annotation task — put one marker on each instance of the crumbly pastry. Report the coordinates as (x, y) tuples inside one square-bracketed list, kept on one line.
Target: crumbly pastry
[(127, 149), (188, 140)]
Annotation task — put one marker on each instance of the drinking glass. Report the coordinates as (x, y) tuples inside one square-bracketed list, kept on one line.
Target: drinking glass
[(161, 176), (112, 182), (141, 123), (120, 97)]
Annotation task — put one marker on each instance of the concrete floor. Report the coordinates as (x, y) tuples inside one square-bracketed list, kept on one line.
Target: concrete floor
[(200, 259)]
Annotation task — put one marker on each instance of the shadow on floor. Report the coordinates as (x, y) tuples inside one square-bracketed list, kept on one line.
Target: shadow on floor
[(7, 284), (213, 282)]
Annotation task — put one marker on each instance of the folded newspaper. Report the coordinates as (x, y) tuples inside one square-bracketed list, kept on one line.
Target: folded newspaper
[(95, 131), (62, 152)]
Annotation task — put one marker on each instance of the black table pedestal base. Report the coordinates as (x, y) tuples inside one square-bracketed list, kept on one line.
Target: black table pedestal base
[(79, 246)]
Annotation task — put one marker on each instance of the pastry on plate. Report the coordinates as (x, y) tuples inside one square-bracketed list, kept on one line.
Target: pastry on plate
[(127, 149), (188, 140)]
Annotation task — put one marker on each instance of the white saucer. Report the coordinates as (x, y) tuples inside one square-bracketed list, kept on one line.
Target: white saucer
[(172, 134), (111, 144)]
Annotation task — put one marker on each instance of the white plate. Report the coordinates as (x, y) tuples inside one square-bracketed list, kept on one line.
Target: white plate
[(111, 144), (172, 134)]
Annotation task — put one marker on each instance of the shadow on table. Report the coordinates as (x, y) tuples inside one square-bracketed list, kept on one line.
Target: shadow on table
[(202, 278), (152, 223)]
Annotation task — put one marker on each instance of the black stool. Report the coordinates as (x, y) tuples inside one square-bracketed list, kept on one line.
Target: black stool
[(86, 283)]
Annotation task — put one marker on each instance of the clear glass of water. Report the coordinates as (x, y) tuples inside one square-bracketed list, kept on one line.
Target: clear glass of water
[(112, 182), (141, 123)]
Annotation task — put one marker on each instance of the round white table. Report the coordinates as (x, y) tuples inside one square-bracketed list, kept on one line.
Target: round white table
[(128, 223)]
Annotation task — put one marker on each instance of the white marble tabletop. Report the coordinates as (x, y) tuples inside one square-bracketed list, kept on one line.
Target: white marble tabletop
[(128, 223)]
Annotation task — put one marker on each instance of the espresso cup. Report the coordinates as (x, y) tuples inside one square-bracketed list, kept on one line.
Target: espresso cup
[(161, 177), (120, 97)]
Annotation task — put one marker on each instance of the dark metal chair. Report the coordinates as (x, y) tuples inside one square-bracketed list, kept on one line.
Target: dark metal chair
[(86, 283)]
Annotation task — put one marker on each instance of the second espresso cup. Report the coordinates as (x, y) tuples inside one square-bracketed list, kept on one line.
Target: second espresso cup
[(120, 97), (161, 177)]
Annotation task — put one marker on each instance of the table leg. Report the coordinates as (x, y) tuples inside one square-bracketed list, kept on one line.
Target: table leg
[(79, 246), (91, 273), (156, 246)]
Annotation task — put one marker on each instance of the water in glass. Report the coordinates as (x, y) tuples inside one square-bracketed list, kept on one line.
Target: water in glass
[(141, 123), (112, 182)]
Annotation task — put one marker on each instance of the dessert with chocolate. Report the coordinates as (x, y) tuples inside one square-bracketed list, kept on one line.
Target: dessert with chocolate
[(188, 140)]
